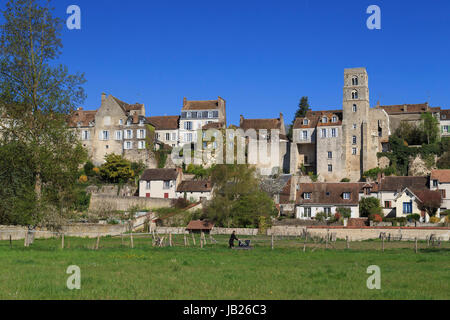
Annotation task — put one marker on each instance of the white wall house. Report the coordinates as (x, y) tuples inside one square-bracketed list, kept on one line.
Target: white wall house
[(194, 190), (445, 123), (160, 183), (166, 129), (313, 198), (440, 180)]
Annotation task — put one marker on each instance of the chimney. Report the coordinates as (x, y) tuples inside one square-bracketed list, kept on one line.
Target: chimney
[(241, 121), (184, 102), (405, 108), (103, 97), (80, 109)]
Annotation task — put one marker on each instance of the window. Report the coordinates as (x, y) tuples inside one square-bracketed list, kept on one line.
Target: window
[(167, 136), (307, 196), (194, 115), (334, 119), (330, 155), (334, 132), (85, 135), (129, 134), (324, 120), (346, 195), (388, 204), (354, 126), (141, 145), (354, 139), (304, 135), (367, 191), (118, 135), (141, 134), (166, 185), (188, 125), (210, 114), (407, 207), (354, 95), (105, 135), (174, 136), (305, 122), (443, 194), (141, 122), (445, 129), (120, 122), (355, 81), (215, 114), (354, 151), (129, 122), (330, 168), (183, 115), (327, 211), (435, 183), (148, 186), (324, 133), (307, 212), (188, 137), (128, 145), (306, 159)]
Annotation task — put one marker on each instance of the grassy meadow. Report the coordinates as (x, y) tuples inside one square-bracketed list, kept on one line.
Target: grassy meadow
[(116, 271)]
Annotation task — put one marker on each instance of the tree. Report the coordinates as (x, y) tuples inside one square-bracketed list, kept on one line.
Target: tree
[(368, 206), (430, 205), (303, 108), (36, 97), (116, 169), (238, 200), (430, 127)]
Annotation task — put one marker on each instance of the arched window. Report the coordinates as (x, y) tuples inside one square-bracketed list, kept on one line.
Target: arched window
[(324, 120), (334, 119), (354, 94), (354, 81)]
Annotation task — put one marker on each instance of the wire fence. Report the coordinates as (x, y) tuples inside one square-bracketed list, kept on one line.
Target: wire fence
[(304, 242)]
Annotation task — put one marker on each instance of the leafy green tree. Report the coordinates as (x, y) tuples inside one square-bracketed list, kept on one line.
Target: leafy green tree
[(116, 169), (238, 201), (368, 206), (36, 97), (303, 108), (430, 127), (89, 169)]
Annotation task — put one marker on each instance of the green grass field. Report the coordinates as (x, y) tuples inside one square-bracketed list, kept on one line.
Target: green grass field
[(215, 272)]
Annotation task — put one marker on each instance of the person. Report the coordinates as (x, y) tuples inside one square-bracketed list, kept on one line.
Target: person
[(232, 238)]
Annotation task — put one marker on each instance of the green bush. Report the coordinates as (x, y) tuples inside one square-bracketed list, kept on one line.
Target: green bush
[(320, 216), (413, 217), (345, 180), (345, 212), (89, 169)]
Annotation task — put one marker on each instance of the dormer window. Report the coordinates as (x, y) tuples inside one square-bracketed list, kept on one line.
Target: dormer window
[(354, 94), (346, 195), (307, 195), (305, 122), (334, 119), (435, 183), (129, 122), (141, 122), (324, 120)]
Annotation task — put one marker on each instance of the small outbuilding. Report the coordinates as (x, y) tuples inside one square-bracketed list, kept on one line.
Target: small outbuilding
[(197, 226)]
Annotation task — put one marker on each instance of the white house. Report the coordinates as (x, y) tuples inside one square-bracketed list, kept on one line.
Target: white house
[(160, 183), (196, 190), (445, 123), (440, 180), (166, 129), (313, 198)]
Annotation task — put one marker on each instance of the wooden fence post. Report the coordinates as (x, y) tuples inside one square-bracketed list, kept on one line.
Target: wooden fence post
[(193, 239), (306, 240), (326, 240), (25, 244), (121, 239), (348, 244), (170, 239), (98, 242), (185, 244), (62, 241), (272, 241), (382, 242), (10, 241), (415, 245), (132, 242)]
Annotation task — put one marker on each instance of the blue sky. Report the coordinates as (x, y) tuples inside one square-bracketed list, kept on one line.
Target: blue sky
[(260, 56)]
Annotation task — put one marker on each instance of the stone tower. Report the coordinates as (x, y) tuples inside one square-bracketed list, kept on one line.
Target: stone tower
[(355, 123)]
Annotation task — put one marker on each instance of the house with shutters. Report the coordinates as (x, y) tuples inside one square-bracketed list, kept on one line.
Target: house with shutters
[(195, 190), (160, 183), (440, 181), (166, 129)]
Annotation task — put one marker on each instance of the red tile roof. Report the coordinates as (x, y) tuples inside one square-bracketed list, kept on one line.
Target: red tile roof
[(394, 183), (329, 193), (164, 122), (84, 118), (409, 108), (201, 105), (200, 225), (195, 186), (159, 174), (315, 119), (443, 176)]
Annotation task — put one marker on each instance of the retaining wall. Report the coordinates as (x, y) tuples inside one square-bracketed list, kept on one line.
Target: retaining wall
[(114, 203)]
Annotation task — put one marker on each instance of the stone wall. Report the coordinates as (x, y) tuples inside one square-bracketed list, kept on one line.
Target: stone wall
[(108, 203)]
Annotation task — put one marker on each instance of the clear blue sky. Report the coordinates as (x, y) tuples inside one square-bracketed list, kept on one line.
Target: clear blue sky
[(260, 56)]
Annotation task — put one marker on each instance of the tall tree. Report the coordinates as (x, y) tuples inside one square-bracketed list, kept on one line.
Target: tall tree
[(430, 126), (303, 108), (36, 97)]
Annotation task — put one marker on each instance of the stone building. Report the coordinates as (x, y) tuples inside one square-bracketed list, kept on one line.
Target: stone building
[(166, 129), (339, 144), (116, 127), (445, 123)]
